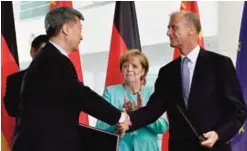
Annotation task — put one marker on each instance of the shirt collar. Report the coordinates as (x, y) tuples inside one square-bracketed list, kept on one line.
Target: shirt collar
[(193, 54), (59, 48)]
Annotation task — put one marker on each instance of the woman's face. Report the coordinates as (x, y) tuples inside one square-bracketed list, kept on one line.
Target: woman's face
[(132, 70)]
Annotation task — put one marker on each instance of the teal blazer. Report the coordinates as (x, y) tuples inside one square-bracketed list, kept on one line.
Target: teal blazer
[(143, 139)]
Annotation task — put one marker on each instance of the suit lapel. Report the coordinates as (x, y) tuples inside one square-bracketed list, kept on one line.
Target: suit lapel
[(178, 82), (198, 76)]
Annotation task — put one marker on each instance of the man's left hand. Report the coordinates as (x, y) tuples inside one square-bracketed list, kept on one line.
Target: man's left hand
[(211, 138)]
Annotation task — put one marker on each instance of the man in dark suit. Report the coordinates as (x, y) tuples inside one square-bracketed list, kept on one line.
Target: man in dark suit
[(12, 97), (204, 84), (52, 95)]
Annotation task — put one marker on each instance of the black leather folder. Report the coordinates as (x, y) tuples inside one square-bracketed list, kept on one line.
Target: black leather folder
[(94, 139), (200, 137)]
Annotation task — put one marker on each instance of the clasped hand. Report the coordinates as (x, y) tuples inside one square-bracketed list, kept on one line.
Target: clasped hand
[(128, 107), (124, 126)]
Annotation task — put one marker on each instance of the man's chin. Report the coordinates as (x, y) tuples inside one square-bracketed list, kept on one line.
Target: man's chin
[(75, 49), (172, 45)]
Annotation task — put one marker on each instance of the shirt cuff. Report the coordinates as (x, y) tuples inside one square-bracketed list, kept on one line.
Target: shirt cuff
[(122, 118)]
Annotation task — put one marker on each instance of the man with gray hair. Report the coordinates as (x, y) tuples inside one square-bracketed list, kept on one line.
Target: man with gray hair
[(52, 95), (200, 85)]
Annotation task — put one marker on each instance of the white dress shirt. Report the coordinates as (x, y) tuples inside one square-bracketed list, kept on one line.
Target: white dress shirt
[(192, 56), (59, 48)]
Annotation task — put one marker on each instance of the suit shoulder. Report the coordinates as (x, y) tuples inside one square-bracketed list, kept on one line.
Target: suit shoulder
[(51, 60), (169, 65), (217, 61), (216, 56), (16, 75), (48, 54)]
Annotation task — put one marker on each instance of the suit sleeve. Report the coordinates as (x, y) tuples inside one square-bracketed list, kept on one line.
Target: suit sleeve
[(160, 126), (92, 103), (12, 97), (75, 92), (156, 106), (233, 97), (102, 125)]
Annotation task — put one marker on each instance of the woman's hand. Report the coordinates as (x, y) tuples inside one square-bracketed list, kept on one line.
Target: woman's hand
[(131, 106), (128, 105)]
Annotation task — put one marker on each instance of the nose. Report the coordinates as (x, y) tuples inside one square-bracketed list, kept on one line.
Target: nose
[(130, 68), (168, 33)]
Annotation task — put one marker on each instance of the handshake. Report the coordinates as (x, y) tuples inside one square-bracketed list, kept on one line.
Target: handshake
[(128, 107), (123, 126)]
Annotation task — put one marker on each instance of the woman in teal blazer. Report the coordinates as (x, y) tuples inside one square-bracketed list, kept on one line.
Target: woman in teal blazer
[(134, 67)]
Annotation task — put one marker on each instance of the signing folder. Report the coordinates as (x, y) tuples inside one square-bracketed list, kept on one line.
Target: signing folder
[(94, 139), (200, 137)]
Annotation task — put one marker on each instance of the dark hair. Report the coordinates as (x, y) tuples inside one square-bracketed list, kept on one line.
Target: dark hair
[(36, 43), (57, 17)]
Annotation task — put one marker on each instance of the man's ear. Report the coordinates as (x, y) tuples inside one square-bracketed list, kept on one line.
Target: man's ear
[(65, 29), (192, 30), (32, 52)]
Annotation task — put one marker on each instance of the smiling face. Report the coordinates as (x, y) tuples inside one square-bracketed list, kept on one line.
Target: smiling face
[(132, 70), (178, 30)]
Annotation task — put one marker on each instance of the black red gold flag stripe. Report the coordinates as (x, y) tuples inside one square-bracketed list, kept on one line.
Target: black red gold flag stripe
[(9, 65), (125, 36)]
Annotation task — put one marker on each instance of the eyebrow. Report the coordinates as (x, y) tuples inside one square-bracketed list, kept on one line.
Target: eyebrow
[(171, 26)]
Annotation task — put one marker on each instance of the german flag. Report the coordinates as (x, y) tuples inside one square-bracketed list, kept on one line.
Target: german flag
[(9, 65), (125, 35), (74, 58)]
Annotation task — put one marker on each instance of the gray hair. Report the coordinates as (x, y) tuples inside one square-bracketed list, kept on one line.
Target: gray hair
[(190, 17), (194, 19), (57, 17)]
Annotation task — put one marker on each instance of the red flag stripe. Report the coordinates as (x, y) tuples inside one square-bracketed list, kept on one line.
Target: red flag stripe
[(125, 35), (118, 47), (176, 53), (9, 66), (75, 59), (60, 3)]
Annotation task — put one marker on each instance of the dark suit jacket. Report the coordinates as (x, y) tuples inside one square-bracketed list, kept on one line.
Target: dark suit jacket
[(52, 98), (12, 101), (12, 97), (215, 103)]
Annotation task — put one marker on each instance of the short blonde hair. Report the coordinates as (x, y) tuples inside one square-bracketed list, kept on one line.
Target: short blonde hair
[(135, 53)]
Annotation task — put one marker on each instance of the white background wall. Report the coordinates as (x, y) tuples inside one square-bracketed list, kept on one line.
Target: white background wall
[(220, 30)]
